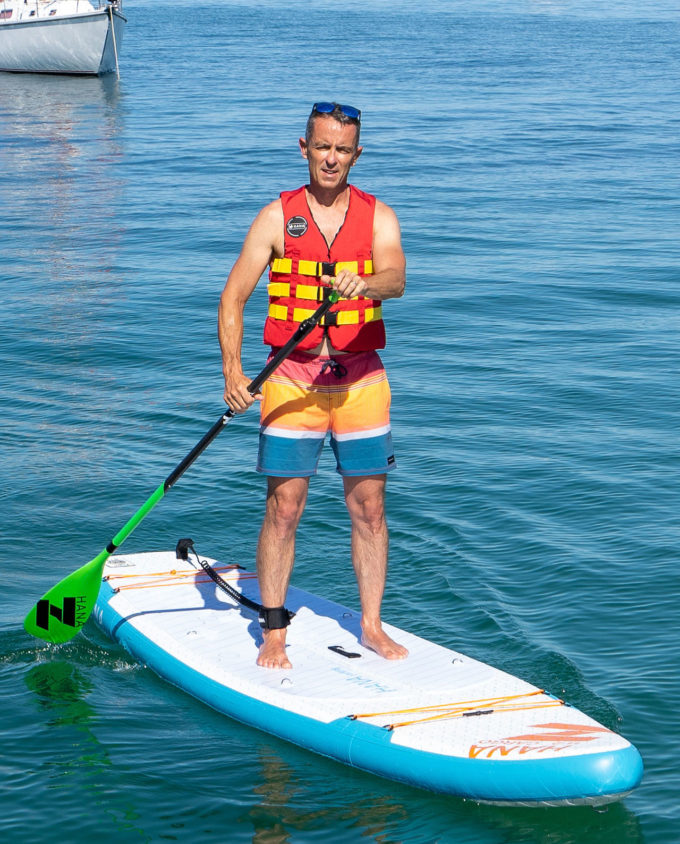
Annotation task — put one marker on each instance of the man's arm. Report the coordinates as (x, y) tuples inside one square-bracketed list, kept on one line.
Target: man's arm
[(256, 253), (389, 263)]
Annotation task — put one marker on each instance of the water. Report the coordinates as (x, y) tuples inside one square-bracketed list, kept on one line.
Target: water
[(530, 150)]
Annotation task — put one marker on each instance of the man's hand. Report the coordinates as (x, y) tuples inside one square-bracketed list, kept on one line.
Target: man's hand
[(347, 283), (236, 393)]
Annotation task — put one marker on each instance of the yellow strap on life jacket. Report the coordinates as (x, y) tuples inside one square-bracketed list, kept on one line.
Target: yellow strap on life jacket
[(315, 268), (341, 317), (303, 291)]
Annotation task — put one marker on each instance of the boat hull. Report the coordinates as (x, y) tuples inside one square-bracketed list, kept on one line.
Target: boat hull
[(75, 44)]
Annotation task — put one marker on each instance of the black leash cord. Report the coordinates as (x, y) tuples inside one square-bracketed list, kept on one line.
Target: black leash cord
[(272, 617), (184, 546)]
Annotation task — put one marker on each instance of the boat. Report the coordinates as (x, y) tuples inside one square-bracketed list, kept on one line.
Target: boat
[(79, 37)]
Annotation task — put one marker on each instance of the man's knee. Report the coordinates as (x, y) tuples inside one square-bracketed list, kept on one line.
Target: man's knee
[(366, 505), (370, 516), (286, 503)]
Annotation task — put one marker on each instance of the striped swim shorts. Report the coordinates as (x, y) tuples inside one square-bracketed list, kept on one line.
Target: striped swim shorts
[(310, 396)]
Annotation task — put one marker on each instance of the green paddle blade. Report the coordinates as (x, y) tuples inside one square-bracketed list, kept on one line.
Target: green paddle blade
[(62, 611)]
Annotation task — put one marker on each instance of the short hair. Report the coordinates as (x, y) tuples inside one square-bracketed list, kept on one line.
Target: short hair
[(337, 114)]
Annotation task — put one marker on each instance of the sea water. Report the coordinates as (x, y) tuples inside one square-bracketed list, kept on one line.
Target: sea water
[(530, 150)]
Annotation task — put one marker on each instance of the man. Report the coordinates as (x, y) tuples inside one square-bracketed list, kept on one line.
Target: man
[(325, 235)]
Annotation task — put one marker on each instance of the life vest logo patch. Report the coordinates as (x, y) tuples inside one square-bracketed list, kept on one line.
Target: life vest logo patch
[(297, 226)]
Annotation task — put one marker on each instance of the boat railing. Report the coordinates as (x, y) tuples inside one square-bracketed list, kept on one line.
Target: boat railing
[(12, 10)]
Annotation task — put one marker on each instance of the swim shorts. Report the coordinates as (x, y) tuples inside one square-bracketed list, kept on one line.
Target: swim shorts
[(309, 396)]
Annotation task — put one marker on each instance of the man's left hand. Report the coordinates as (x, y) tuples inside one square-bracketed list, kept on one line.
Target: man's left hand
[(348, 284)]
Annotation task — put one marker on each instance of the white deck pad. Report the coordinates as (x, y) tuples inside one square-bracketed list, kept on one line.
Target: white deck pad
[(438, 719)]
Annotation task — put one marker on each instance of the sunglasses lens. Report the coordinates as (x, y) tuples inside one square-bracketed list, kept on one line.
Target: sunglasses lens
[(350, 111), (324, 108)]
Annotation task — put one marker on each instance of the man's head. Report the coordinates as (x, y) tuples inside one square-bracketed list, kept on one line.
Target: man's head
[(342, 113), (331, 144)]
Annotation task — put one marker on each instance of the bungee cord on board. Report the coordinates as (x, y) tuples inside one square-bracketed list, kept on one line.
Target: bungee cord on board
[(465, 709)]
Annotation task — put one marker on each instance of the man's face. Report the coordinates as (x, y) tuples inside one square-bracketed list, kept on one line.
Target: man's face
[(331, 152)]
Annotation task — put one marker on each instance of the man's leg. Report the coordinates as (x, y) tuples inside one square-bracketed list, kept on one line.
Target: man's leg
[(365, 498), (286, 499)]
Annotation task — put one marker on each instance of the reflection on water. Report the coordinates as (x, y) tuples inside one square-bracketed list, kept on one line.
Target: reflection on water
[(76, 759), (287, 803), (61, 689), (61, 192), (60, 186), (282, 811), (566, 825)]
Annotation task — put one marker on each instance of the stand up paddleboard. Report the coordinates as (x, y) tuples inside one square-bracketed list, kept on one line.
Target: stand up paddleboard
[(438, 719)]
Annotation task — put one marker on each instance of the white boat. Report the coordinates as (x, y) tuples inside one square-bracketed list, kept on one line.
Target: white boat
[(61, 36)]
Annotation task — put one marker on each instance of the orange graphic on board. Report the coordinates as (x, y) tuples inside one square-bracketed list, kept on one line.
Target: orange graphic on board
[(555, 738), (563, 732)]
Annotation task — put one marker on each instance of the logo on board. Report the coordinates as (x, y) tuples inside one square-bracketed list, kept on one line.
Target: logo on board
[(548, 739), (297, 226)]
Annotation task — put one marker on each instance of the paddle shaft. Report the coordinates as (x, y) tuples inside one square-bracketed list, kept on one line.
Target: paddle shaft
[(65, 608)]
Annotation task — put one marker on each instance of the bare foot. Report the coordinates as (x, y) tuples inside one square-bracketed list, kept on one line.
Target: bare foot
[(377, 640), (273, 650)]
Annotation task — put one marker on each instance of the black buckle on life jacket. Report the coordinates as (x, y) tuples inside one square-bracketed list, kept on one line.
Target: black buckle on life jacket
[(330, 318), (327, 268), (323, 292)]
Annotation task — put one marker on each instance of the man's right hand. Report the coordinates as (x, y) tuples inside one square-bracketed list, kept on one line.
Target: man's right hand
[(236, 393)]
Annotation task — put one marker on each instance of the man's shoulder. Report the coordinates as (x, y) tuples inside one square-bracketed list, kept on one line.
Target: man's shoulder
[(271, 214), (384, 212), (380, 207), (363, 195), (287, 195)]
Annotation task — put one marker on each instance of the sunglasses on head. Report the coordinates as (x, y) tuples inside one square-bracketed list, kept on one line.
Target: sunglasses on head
[(329, 108)]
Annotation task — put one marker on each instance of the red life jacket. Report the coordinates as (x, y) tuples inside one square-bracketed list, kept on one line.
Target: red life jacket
[(295, 289)]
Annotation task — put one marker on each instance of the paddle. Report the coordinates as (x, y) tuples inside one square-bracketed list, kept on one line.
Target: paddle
[(62, 611)]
